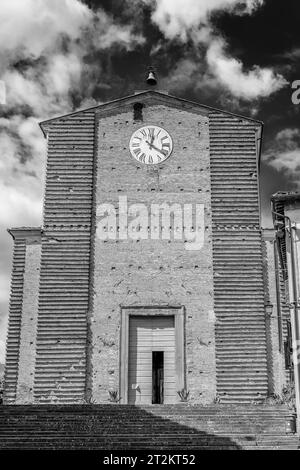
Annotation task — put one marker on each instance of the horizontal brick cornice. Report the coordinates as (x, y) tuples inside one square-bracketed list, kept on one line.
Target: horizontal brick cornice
[(25, 232)]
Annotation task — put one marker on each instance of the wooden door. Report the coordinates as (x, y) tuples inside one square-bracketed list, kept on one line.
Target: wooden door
[(146, 335)]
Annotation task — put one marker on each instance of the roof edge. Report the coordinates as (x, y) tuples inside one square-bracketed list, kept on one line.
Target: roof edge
[(42, 124), (286, 196), (25, 232)]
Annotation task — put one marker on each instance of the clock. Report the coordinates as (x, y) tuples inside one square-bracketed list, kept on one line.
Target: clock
[(151, 145)]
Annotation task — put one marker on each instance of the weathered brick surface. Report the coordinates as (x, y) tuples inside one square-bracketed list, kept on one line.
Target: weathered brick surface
[(65, 260), (27, 348), (154, 272), (14, 320), (276, 353), (241, 335), (20, 347)]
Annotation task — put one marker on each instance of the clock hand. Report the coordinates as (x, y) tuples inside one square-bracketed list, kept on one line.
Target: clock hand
[(151, 135), (155, 148)]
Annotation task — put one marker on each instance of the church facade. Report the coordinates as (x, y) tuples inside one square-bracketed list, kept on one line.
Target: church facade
[(150, 280)]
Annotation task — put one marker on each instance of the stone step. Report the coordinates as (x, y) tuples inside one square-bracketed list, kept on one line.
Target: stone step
[(109, 409), (179, 409)]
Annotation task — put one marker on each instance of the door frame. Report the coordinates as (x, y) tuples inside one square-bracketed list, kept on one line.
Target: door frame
[(151, 310)]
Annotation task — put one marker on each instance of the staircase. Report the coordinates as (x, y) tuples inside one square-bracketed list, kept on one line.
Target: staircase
[(156, 427)]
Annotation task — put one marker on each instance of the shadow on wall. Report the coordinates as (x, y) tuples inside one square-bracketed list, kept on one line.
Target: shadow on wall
[(107, 427)]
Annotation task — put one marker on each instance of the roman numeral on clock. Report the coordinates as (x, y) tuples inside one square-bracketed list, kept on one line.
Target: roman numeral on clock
[(151, 133), (142, 158)]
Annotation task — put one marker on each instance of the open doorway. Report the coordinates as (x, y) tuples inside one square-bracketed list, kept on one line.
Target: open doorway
[(157, 377), (150, 342)]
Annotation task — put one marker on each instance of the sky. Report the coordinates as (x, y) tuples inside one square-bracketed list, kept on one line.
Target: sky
[(58, 56)]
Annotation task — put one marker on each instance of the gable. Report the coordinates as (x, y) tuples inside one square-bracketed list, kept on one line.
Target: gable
[(147, 98)]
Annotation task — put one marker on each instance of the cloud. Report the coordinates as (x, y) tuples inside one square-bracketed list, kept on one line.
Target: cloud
[(184, 76), (190, 74), (255, 83), (190, 21), (211, 69), (28, 28), (180, 18), (288, 137), (284, 154), (292, 55), (45, 88), (288, 161), (22, 154), (51, 40), (41, 26)]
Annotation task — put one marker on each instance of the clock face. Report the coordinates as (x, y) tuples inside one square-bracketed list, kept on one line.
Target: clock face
[(150, 145)]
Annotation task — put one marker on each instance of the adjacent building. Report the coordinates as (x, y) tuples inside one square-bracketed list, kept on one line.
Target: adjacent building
[(286, 218)]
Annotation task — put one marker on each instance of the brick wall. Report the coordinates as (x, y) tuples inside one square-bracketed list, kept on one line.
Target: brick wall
[(27, 348), (154, 272), (84, 281), (239, 293), (277, 318), (20, 345), (60, 372), (14, 320)]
